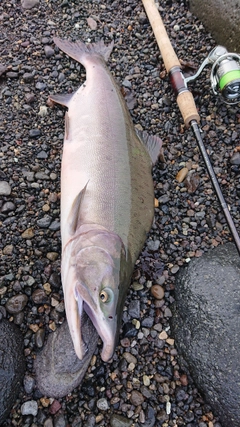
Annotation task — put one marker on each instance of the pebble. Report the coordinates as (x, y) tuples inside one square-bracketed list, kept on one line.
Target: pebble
[(120, 421), (136, 398), (44, 222), (49, 51), (39, 337), (134, 309), (29, 383), (157, 292), (29, 408), (8, 250), (39, 296), (5, 189), (28, 233), (102, 404), (153, 245), (181, 175), (235, 159), (130, 358), (16, 303), (34, 133), (8, 207), (60, 420)]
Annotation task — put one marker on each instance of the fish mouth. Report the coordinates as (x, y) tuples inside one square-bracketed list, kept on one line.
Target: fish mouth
[(105, 327)]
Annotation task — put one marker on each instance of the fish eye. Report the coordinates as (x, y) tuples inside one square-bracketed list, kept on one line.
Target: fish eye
[(104, 296)]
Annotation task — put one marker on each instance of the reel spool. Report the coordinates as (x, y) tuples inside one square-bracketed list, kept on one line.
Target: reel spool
[(225, 74)]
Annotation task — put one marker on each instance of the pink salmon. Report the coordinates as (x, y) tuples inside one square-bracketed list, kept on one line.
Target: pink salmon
[(107, 197)]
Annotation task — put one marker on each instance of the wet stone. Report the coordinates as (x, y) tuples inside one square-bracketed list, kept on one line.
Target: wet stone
[(16, 303), (205, 334), (12, 366)]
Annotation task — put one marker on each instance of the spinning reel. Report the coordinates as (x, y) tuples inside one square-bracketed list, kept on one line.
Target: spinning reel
[(225, 74)]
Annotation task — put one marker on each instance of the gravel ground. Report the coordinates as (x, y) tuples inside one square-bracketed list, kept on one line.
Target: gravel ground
[(144, 383)]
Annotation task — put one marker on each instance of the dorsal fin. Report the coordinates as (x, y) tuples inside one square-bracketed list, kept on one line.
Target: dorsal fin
[(152, 143)]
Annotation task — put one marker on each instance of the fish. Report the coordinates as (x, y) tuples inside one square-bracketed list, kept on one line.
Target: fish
[(107, 197)]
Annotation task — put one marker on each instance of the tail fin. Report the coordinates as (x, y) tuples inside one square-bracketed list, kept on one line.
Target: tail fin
[(77, 50)]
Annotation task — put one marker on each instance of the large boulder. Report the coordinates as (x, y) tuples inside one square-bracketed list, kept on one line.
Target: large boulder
[(58, 369), (221, 18), (12, 366), (206, 327)]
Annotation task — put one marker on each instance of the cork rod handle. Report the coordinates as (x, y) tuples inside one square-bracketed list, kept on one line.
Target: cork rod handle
[(185, 99)]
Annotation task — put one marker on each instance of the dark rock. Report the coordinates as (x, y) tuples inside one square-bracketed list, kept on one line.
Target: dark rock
[(206, 327), (16, 303), (34, 133), (58, 369), (12, 366)]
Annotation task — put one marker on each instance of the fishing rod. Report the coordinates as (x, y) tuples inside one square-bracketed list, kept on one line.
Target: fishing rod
[(225, 77)]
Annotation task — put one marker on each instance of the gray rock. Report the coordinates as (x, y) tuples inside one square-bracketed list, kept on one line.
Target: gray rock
[(120, 421), (58, 369), (134, 309), (12, 366), (206, 327), (5, 189), (45, 221), (29, 408), (49, 51), (16, 303), (221, 19), (29, 4), (60, 420)]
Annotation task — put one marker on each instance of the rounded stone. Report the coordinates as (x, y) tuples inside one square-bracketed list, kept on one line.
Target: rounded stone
[(205, 326), (16, 303), (12, 366), (29, 408), (5, 189), (157, 291)]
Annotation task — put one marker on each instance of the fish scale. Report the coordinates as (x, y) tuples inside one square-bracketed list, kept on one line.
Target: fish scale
[(107, 197)]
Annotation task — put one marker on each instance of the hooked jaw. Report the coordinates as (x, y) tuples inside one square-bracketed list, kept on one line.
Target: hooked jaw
[(106, 327)]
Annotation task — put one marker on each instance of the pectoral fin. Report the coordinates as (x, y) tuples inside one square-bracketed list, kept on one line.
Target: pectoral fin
[(74, 216), (152, 143), (62, 98)]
